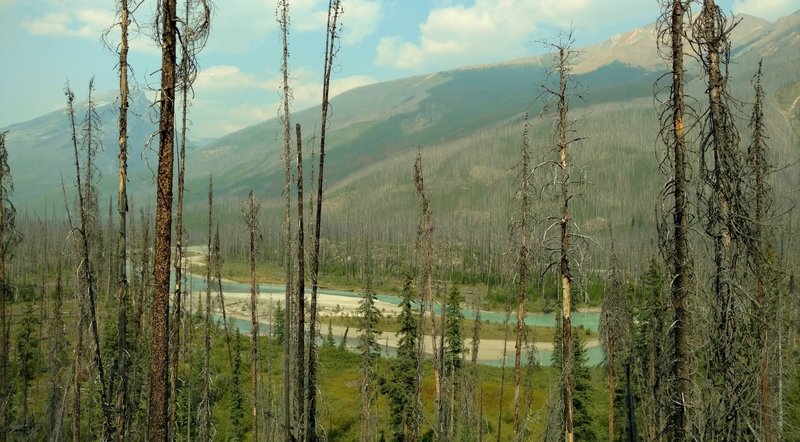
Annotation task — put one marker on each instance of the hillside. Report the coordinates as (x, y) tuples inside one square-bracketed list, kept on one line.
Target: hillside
[(468, 124)]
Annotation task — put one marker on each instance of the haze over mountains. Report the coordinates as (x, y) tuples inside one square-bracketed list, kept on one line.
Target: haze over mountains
[(468, 123)]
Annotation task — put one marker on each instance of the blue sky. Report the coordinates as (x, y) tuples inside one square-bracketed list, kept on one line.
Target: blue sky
[(45, 42)]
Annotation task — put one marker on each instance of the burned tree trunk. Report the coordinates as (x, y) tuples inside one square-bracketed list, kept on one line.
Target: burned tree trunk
[(283, 18), (520, 229), (332, 34), (424, 237), (676, 247), (250, 212), (159, 365)]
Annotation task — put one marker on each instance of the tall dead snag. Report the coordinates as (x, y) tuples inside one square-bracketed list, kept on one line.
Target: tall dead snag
[(301, 282), (520, 230), (120, 366), (159, 362), (86, 271), (205, 402), (730, 392), (615, 331), (332, 35), (759, 168), (7, 236), (216, 259), (424, 239), (250, 210), (564, 137), (503, 374), (283, 20), (675, 245)]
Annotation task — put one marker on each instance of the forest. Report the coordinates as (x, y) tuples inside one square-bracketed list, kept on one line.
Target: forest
[(504, 285)]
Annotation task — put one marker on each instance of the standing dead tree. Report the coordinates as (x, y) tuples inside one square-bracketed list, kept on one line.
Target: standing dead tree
[(520, 231), (564, 184), (205, 430), (192, 36), (285, 112), (250, 210), (87, 282), (731, 390), (331, 48), (615, 331), (675, 244), (424, 232), (7, 238), (301, 281), (759, 169), (159, 358)]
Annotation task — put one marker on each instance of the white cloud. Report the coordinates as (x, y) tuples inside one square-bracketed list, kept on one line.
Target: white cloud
[(230, 99), (87, 23), (768, 9), (494, 30)]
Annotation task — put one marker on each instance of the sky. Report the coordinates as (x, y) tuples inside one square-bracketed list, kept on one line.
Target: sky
[(45, 43)]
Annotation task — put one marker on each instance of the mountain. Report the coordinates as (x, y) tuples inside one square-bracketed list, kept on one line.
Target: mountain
[(468, 124), (41, 152)]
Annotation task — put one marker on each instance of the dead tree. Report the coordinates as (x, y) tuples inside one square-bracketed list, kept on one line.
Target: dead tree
[(675, 245), (283, 19), (559, 100), (760, 168), (615, 331), (722, 194), (86, 271), (331, 42), (301, 283), (424, 240), (216, 259), (250, 213), (159, 358), (7, 238), (503, 375), (205, 403), (520, 230)]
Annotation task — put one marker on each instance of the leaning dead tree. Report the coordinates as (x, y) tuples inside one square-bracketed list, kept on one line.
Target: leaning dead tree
[(331, 48), (564, 185), (424, 231), (85, 271), (159, 358), (674, 227)]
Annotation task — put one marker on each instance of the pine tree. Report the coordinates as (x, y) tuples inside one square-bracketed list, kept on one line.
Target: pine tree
[(279, 324), (402, 387), (370, 350)]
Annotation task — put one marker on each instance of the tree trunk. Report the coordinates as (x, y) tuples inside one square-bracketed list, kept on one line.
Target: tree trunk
[(522, 257), (287, 228), (301, 289), (251, 219), (122, 244), (159, 366), (334, 10), (175, 335), (680, 370)]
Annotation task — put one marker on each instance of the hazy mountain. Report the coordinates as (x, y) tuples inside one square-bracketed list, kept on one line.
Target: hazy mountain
[(468, 123)]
